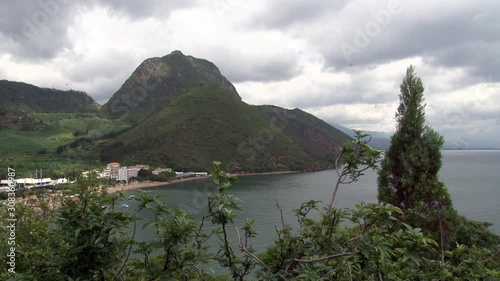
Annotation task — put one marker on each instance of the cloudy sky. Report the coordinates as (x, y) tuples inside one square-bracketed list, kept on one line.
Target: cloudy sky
[(340, 60)]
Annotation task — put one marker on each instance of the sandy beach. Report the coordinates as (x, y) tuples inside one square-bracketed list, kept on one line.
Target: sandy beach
[(141, 185)]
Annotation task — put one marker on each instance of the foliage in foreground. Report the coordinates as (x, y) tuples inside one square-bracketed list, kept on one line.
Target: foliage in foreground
[(86, 238), (83, 240)]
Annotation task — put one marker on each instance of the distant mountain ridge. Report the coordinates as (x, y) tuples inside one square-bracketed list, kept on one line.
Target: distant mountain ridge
[(19, 101), (379, 140), (314, 136), (23, 97), (382, 140)]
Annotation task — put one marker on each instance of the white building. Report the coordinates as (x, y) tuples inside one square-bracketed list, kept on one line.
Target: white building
[(157, 171), (140, 167), (104, 174), (45, 182), (61, 181), (31, 182), (5, 185), (124, 173), (26, 182)]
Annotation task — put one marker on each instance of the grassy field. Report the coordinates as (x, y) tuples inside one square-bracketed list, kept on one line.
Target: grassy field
[(30, 150), (53, 165), (61, 127)]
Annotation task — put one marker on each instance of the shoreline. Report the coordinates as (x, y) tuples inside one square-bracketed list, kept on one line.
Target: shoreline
[(265, 173), (142, 185)]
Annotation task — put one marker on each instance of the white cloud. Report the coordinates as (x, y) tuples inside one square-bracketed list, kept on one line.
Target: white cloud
[(277, 52)]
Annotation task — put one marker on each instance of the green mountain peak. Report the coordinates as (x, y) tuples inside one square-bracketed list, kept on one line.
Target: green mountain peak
[(158, 80)]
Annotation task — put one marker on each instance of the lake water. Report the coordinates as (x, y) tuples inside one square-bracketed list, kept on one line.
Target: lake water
[(472, 178)]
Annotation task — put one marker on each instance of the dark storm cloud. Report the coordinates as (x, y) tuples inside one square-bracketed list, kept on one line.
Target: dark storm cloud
[(107, 65), (263, 71), (240, 65), (289, 50), (479, 57), (467, 36), (146, 8), (36, 29), (283, 13)]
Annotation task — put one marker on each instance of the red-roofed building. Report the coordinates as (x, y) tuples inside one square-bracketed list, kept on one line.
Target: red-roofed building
[(112, 169)]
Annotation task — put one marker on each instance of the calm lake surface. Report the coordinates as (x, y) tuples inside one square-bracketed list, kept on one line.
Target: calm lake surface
[(472, 178)]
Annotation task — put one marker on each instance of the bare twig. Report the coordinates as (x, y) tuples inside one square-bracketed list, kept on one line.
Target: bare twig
[(442, 238), (244, 249), (128, 253), (201, 223), (281, 213), (326, 258), (198, 270), (337, 164), (494, 255), (130, 248), (334, 195), (226, 246)]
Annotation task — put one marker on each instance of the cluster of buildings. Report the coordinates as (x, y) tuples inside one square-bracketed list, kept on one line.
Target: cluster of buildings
[(113, 171), (117, 172), (29, 183)]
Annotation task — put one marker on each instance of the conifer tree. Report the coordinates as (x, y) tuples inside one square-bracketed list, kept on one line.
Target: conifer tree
[(408, 177)]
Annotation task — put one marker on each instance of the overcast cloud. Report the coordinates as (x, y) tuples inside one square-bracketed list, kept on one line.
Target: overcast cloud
[(340, 60)]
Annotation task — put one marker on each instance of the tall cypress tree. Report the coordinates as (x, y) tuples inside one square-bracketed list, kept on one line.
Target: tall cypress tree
[(408, 177)]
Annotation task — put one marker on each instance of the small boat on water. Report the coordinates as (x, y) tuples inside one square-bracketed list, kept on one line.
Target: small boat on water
[(124, 205), (131, 197)]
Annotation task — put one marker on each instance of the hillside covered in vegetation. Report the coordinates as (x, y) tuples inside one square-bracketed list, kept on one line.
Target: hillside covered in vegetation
[(18, 99), (157, 81), (177, 111), (209, 123)]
